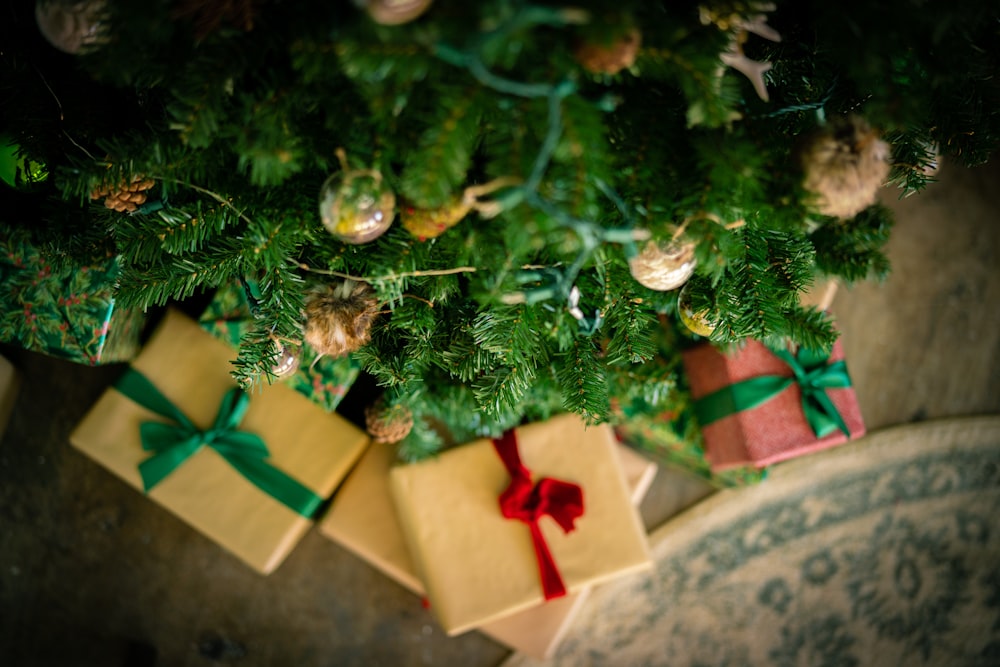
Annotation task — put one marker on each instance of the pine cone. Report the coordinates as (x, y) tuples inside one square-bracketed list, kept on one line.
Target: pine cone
[(388, 425), (845, 164), (125, 196), (339, 317)]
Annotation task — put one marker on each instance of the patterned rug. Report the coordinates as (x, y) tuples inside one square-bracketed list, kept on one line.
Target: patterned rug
[(882, 552)]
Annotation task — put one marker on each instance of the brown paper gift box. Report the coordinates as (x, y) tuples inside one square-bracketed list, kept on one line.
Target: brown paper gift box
[(477, 566), (774, 431), (10, 385), (363, 519), (191, 368)]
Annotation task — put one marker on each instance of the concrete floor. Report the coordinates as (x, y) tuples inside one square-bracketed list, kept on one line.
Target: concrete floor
[(91, 573)]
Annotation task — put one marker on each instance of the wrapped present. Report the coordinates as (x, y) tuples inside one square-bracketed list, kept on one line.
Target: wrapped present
[(10, 384), (324, 381), (67, 312), (760, 406), (362, 519), (673, 439), (247, 471), (496, 527), (666, 439)]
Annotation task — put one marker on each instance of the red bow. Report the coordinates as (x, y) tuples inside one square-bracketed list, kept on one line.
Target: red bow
[(521, 500)]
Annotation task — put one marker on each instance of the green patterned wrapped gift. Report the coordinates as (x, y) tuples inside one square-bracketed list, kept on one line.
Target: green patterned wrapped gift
[(67, 312), (326, 382), (670, 443)]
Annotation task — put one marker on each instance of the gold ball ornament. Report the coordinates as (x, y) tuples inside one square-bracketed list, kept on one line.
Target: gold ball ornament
[(612, 57), (845, 163), (356, 205), (69, 26), (388, 424), (663, 266), (394, 12), (286, 361), (699, 322), (339, 317)]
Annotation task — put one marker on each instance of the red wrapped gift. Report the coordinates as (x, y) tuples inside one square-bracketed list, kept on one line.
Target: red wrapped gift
[(759, 406)]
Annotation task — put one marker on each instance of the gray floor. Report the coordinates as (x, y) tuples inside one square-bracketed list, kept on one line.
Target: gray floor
[(92, 573)]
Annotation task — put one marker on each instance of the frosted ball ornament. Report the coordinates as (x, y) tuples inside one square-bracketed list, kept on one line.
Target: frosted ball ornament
[(663, 266), (394, 12), (69, 26), (356, 206)]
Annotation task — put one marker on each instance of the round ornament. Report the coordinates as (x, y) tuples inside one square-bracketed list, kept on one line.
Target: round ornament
[(70, 26), (339, 317), (663, 266), (394, 12), (388, 424), (610, 58), (17, 171), (287, 361), (845, 163), (356, 206), (696, 322)]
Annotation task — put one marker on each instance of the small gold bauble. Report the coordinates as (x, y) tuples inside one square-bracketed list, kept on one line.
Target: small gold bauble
[(286, 362), (395, 12), (696, 322), (357, 206), (663, 266)]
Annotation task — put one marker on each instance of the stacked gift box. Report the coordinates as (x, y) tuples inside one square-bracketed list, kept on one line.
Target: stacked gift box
[(364, 519), (60, 310), (470, 529)]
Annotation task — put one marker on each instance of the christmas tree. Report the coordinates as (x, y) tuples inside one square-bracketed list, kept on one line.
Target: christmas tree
[(505, 210)]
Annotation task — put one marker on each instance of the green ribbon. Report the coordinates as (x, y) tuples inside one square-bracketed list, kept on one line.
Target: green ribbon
[(810, 370), (173, 443)]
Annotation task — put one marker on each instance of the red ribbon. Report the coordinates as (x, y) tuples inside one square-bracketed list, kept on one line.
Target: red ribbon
[(527, 502)]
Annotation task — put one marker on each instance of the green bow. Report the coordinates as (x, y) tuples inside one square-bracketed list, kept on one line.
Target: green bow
[(174, 442), (811, 371)]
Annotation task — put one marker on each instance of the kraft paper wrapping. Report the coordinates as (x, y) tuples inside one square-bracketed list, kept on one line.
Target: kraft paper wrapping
[(363, 519), (774, 431), (479, 567), (191, 368), (10, 385)]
